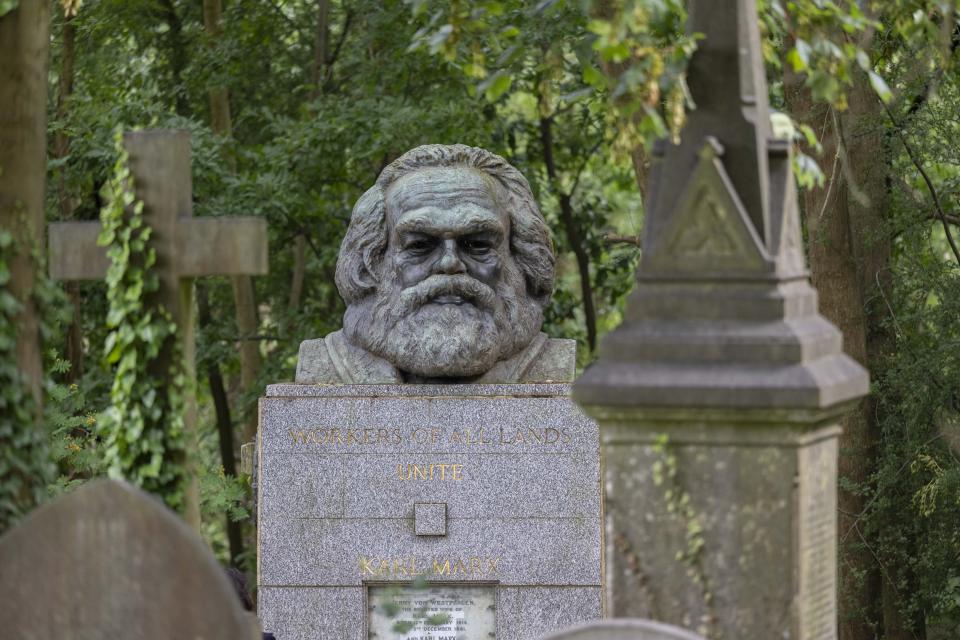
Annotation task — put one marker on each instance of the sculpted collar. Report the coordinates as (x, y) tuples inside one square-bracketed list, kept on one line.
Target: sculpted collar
[(335, 360)]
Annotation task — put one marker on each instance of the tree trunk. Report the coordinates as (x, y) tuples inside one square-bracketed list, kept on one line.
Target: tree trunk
[(607, 10), (178, 54), (321, 55), (61, 146), (243, 294), (250, 361), (244, 304), (24, 45), (573, 232), (299, 271), (849, 261), (220, 119), (321, 47), (224, 426)]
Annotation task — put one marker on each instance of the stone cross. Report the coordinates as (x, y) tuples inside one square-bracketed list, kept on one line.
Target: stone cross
[(110, 561), (186, 247), (719, 397)]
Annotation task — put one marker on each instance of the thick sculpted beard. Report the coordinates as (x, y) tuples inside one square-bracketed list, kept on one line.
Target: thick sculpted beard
[(418, 336)]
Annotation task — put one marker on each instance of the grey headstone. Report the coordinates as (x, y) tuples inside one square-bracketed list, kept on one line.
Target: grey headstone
[(344, 475), (718, 397), (109, 561), (625, 629)]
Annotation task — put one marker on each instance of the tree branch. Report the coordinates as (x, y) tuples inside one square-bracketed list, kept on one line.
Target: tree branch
[(930, 84), (572, 228), (583, 165), (343, 36), (278, 9), (926, 179), (612, 238)]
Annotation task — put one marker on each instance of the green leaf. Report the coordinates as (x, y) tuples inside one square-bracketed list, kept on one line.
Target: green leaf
[(496, 85), (879, 85), (493, 7), (799, 56), (600, 27), (6, 6), (808, 171), (593, 77), (439, 37), (796, 62)]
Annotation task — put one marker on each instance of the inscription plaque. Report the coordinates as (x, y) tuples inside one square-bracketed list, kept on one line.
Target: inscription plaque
[(434, 612)]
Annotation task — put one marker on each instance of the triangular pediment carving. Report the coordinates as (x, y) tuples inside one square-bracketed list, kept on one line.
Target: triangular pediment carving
[(791, 259), (709, 233)]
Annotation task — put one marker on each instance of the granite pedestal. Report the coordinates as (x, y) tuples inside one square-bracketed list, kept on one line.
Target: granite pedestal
[(426, 511)]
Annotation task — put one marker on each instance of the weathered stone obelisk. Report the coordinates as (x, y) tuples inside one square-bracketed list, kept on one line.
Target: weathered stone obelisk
[(718, 398)]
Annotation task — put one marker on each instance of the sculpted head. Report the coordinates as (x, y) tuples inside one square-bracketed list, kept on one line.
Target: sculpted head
[(447, 264)]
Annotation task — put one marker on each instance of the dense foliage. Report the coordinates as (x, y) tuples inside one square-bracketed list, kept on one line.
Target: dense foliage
[(322, 94), (25, 465)]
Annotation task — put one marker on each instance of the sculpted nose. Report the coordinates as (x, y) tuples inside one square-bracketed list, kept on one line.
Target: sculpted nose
[(450, 262)]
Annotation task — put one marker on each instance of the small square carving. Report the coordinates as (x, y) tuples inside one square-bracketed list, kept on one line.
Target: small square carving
[(430, 518)]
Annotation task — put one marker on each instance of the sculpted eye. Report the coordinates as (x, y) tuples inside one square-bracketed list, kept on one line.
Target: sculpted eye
[(420, 246), (477, 246)]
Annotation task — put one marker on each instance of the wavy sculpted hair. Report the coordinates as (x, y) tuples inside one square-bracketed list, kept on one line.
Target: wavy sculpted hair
[(360, 263)]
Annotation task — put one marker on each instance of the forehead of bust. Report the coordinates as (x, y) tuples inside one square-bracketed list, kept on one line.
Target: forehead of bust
[(450, 195)]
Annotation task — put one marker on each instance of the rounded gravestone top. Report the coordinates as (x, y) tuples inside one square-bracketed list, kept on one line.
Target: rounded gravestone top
[(111, 561), (625, 629)]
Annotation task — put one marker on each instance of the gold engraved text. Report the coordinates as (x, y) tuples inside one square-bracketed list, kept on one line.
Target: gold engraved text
[(473, 566), (531, 435), (330, 437), (433, 471)]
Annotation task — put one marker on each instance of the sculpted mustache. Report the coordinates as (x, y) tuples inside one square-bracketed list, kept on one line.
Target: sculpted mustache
[(457, 285)]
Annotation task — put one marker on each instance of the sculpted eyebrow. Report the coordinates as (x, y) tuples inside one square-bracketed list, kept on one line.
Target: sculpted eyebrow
[(423, 223), (444, 197)]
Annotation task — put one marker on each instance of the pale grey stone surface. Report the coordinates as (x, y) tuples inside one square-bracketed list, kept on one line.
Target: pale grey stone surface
[(760, 543), (526, 390), (535, 611), (543, 360), (520, 481), (547, 485), (297, 613), (430, 518), (625, 629), (530, 551)]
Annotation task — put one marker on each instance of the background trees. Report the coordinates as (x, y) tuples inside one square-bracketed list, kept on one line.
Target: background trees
[(296, 105)]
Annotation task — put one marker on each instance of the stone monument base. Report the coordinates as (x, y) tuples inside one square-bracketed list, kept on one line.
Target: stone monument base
[(426, 511), (734, 508)]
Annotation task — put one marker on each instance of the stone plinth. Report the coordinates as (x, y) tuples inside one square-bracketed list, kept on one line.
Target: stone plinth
[(718, 407), (722, 521), (489, 486)]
